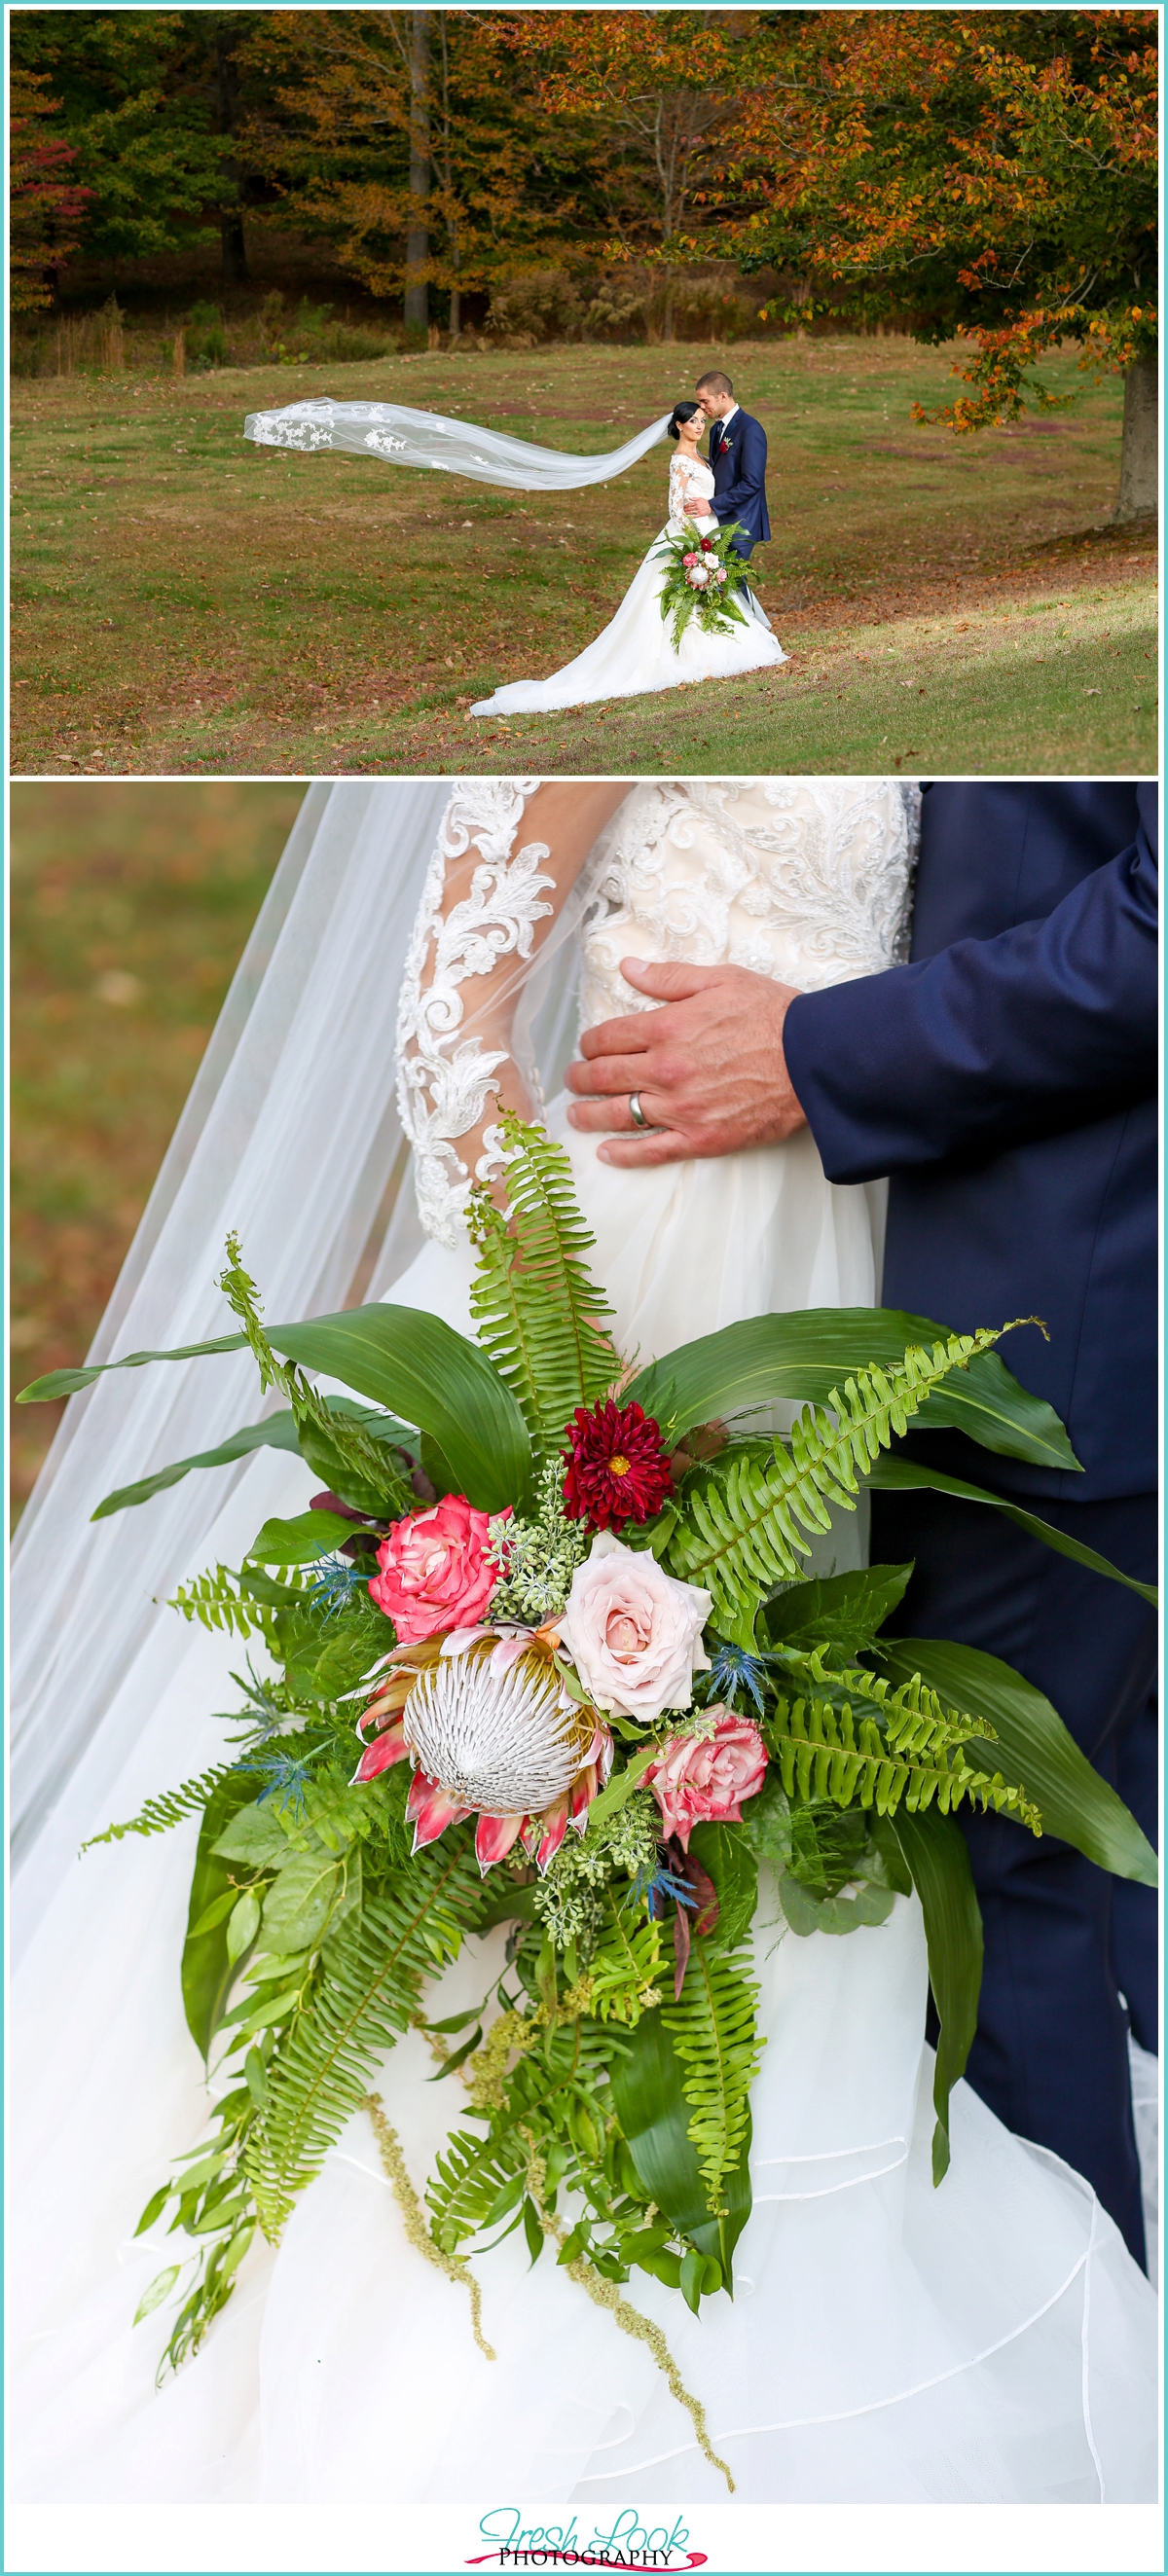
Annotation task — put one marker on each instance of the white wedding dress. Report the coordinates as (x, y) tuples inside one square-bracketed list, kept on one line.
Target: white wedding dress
[(635, 653), (990, 2341)]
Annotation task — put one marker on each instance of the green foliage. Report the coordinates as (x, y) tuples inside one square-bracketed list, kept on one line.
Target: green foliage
[(906, 1475), (541, 1555), (568, 1899), (172, 1808), (363, 1997), (537, 1312), (937, 1857), (1034, 1749), (713, 2029), (216, 1601), (363, 1461), (839, 1613), (801, 1358), (901, 1745), (626, 1962), (654, 2117), (743, 1531)]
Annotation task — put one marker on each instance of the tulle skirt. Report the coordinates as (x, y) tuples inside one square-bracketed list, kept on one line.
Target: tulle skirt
[(635, 654)]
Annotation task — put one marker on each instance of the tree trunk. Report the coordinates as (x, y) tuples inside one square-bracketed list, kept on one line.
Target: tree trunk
[(455, 313), (1138, 464), (417, 300), (233, 246)]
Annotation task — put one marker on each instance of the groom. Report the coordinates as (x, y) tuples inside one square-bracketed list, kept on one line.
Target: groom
[(738, 454), (1005, 1079)]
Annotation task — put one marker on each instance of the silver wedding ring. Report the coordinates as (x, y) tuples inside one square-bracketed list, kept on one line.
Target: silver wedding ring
[(636, 1112)]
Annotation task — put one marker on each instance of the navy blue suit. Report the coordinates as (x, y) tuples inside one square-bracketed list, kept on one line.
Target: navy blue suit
[(1006, 1080), (738, 454)]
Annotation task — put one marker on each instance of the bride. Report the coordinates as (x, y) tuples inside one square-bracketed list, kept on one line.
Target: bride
[(990, 2341), (636, 653)]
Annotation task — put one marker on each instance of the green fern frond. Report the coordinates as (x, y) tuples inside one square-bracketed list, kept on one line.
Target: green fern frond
[(743, 1532), (343, 1438), (473, 2179), (715, 2034), (216, 1601), (911, 1755), (624, 1967), (538, 1314), (375, 1968), (159, 1814)]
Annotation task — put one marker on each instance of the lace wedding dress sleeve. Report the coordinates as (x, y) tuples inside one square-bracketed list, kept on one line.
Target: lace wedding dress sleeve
[(509, 854), (691, 486)]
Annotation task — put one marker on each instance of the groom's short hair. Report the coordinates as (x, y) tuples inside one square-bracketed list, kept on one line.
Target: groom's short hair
[(714, 383)]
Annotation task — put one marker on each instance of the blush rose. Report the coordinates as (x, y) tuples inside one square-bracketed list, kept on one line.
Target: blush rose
[(435, 1571), (704, 1780), (634, 1632)]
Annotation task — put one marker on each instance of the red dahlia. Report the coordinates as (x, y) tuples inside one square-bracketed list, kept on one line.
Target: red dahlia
[(618, 1470)]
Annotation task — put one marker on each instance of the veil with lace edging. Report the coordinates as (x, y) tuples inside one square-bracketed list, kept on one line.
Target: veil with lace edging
[(401, 436)]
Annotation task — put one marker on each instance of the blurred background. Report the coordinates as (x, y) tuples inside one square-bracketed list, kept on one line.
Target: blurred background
[(130, 907)]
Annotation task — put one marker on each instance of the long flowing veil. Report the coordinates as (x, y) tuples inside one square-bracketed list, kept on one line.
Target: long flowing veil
[(404, 437), (291, 1136)]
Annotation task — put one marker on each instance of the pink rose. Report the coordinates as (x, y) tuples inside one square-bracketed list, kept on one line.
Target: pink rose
[(688, 560), (633, 1632), (435, 1572), (698, 1781)]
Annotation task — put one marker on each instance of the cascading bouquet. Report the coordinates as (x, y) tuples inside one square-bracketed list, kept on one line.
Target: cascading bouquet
[(544, 1653), (703, 579)]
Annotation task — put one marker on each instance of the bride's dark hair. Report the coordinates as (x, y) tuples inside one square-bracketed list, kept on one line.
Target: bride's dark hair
[(680, 412)]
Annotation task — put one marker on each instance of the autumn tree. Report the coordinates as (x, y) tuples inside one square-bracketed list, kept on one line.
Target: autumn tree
[(415, 141), (135, 104), (985, 174), (46, 206), (658, 92)]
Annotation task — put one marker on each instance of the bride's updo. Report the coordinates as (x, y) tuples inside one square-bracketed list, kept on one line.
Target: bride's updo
[(680, 412)]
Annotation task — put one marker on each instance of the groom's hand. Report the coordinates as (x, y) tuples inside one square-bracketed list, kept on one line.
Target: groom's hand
[(708, 1065)]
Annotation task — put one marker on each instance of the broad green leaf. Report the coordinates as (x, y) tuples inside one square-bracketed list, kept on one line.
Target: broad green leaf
[(800, 1358), (726, 1856), (218, 1912), (254, 1835), (808, 1912), (279, 1432), (407, 1362), (1034, 1750), (300, 1541), (840, 1611), (160, 2286), (904, 1475), (207, 1971), (154, 2209), (243, 1926), (420, 1369), (297, 1908), (935, 1852), (66, 1381), (621, 1786), (654, 2117)]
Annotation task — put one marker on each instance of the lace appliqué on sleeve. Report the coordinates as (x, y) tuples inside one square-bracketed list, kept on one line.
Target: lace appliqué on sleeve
[(691, 485), (442, 1079)]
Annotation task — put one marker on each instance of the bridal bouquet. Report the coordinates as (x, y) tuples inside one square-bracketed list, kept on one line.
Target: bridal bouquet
[(544, 1653), (703, 578)]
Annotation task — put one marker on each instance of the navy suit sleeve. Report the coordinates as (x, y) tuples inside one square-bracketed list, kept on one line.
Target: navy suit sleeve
[(992, 1042), (749, 472)]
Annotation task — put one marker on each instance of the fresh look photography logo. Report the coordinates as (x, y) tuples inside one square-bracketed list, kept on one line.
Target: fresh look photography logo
[(628, 2542)]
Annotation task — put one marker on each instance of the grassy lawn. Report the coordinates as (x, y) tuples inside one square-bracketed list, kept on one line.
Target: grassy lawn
[(185, 602), (131, 905)]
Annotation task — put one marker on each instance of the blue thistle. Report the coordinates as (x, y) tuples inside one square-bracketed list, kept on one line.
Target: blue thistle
[(288, 1776), (660, 1883), (265, 1710), (336, 1582), (733, 1669)]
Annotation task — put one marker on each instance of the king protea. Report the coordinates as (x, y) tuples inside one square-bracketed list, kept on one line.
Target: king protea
[(491, 1730)]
